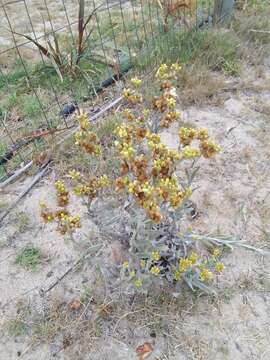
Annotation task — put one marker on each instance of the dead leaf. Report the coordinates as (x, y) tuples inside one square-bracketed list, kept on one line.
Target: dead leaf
[(75, 305), (105, 309), (143, 351)]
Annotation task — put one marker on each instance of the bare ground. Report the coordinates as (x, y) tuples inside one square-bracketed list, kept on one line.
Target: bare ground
[(233, 199)]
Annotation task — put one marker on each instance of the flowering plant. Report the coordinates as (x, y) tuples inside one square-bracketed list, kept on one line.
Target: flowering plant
[(157, 183)]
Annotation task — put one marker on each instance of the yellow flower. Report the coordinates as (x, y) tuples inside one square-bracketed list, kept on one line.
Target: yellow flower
[(131, 188), (104, 181), (184, 264), (176, 67), (202, 134), (162, 72), (83, 121), (128, 115), (155, 270), (193, 257), (127, 93), (189, 153), (127, 151), (219, 267), (136, 82), (60, 187), (171, 102), (186, 135), (155, 255), (121, 131), (146, 112), (205, 275), (177, 275), (142, 264), (74, 175), (125, 264), (138, 283), (209, 148), (132, 273), (216, 253)]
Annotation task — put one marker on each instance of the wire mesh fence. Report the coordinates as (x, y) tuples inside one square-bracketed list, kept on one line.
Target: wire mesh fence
[(56, 54)]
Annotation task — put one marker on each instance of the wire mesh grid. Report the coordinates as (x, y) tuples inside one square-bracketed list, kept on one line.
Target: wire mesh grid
[(56, 54)]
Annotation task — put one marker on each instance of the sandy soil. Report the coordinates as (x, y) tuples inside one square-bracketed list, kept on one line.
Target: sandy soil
[(233, 199)]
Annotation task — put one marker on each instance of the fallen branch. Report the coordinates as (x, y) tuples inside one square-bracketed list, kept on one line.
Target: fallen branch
[(42, 292), (260, 31), (36, 179), (17, 173)]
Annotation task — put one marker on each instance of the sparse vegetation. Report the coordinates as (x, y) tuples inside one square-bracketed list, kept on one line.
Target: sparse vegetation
[(16, 327), (22, 221), (29, 257)]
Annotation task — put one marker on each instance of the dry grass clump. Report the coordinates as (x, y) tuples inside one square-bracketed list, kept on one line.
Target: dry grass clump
[(200, 86), (251, 24)]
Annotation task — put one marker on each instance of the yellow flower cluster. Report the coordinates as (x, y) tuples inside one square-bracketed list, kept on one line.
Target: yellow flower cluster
[(219, 267), (142, 263), (91, 186), (74, 175), (193, 257), (132, 96), (85, 138), (155, 270), (148, 172), (138, 283), (68, 223), (203, 268), (65, 222), (62, 193), (184, 264), (128, 115), (206, 275), (207, 148), (83, 121), (60, 187), (192, 263), (166, 72), (169, 118), (125, 265), (136, 82), (155, 255), (190, 153), (216, 253), (177, 275), (154, 181), (142, 192), (187, 135), (121, 183), (170, 192), (166, 102), (46, 214)]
